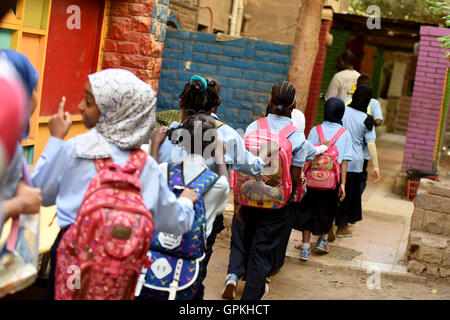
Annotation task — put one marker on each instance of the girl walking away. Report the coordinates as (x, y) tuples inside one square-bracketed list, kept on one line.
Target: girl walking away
[(201, 95), (212, 190), (361, 128), (118, 109), (316, 212), (262, 225), (298, 120)]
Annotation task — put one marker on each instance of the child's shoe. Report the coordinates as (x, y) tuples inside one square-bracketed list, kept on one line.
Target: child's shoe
[(322, 245), (229, 289), (343, 232), (306, 253)]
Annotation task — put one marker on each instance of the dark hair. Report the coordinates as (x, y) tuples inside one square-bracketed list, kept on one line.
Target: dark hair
[(207, 122), (5, 6), (283, 95), (194, 99), (364, 79), (348, 58)]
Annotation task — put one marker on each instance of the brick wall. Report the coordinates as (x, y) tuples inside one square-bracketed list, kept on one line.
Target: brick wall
[(428, 250), (245, 68), (135, 38), (340, 38), (426, 101), (316, 78)]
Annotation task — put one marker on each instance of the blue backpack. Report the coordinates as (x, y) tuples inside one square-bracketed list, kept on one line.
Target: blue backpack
[(176, 260)]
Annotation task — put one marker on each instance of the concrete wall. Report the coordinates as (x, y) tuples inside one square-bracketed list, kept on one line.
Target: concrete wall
[(185, 11), (426, 103), (428, 250), (246, 69)]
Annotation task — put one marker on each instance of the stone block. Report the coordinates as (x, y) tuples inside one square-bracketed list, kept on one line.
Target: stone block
[(432, 270), (447, 226), (444, 272), (416, 266), (140, 24), (431, 254), (427, 201), (446, 260), (417, 219), (434, 222)]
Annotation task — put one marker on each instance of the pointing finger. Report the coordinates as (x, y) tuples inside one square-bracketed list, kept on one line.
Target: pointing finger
[(61, 106)]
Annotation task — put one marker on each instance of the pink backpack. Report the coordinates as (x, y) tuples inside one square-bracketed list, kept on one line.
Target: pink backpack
[(324, 172), (101, 255), (273, 187)]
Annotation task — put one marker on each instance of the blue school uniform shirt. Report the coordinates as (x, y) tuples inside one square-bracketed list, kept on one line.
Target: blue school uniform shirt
[(64, 179), (353, 121), (375, 112), (302, 150), (236, 156), (343, 144)]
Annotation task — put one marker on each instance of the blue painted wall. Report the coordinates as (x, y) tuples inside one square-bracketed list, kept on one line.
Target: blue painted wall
[(246, 69)]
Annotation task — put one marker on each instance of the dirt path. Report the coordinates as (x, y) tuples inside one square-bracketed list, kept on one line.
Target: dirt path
[(303, 281)]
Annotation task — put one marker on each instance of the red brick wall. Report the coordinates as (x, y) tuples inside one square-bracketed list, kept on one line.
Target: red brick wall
[(316, 78), (129, 43), (426, 101)]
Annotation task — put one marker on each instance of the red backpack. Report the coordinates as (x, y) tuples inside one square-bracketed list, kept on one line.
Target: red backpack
[(324, 172), (273, 187), (102, 254)]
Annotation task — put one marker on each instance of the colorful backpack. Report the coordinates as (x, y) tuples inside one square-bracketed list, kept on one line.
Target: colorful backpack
[(324, 172), (101, 255), (176, 260), (273, 187)]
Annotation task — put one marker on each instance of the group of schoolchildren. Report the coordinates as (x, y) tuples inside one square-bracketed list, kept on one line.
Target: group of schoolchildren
[(142, 226)]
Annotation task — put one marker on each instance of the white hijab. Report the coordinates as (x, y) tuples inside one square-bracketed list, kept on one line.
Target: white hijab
[(298, 119), (127, 114)]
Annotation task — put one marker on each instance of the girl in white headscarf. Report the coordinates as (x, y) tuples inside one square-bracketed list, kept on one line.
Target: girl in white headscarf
[(119, 111)]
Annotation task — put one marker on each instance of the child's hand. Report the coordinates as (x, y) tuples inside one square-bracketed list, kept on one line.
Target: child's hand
[(159, 135), (30, 198), (190, 194), (376, 176), (27, 200), (341, 193), (60, 122), (327, 143)]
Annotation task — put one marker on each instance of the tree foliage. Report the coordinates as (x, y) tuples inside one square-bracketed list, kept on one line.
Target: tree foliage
[(442, 9), (414, 10)]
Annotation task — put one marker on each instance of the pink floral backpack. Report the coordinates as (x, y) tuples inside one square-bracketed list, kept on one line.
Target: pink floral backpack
[(273, 187), (101, 255), (324, 172)]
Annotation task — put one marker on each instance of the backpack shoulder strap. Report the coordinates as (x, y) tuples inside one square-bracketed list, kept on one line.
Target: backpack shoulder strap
[(101, 164), (137, 160), (287, 131), (175, 175), (263, 124), (203, 182), (320, 133), (338, 135), (218, 123)]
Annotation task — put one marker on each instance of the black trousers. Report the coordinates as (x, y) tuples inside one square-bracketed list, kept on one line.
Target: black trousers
[(364, 176), (280, 250), (216, 229), (350, 210), (50, 292), (261, 237), (236, 260)]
